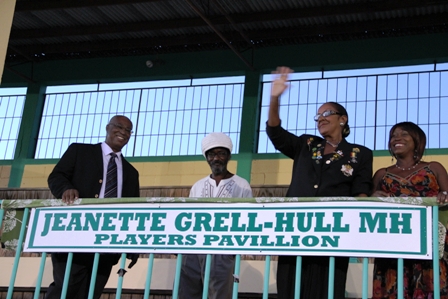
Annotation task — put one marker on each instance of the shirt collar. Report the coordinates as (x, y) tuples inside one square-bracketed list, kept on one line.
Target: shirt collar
[(107, 150)]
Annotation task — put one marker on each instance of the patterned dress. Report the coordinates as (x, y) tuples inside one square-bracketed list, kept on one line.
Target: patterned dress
[(418, 274)]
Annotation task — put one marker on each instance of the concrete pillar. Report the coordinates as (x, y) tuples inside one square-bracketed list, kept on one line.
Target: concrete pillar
[(6, 14)]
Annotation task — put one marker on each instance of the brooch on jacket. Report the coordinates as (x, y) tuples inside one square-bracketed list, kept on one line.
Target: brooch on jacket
[(347, 170), (316, 151), (336, 156), (353, 155), (308, 142)]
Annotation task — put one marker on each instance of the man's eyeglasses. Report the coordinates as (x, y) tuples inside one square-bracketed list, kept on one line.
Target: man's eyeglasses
[(121, 128), (325, 114), (220, 155)]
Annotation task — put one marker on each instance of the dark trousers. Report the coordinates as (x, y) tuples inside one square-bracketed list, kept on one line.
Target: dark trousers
[(314, 282), (80, 275)]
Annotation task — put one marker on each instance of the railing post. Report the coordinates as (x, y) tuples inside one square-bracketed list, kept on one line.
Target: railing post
[(236, 278), (93, 276), (331, 277), (298, 277), (208, 262), (18, 251), (40, 275), (68, 268), (177, 276), (400, 285), (435, 251), (365, 277), (1, 214), (120, 276), (267, 270), (149, 277)]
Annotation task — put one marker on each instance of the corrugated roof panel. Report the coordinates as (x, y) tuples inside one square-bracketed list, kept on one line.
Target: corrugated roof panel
[(122, 14), (166, 10), (26, 20), (86, 16), (266, 5), (67, 24), (55, 18)]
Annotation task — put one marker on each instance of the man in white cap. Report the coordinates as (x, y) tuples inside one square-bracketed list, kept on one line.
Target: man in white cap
[(216, 148)]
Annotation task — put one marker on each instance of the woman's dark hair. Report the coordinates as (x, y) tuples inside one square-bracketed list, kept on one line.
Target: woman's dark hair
[(417, 134), (339, 108)]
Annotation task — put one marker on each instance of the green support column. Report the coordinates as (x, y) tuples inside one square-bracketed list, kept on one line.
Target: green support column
[(29, 130), (249, 123)]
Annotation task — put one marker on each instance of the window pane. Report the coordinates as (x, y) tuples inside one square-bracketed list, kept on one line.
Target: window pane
[(160, 115), (12, 101), (374, 104)]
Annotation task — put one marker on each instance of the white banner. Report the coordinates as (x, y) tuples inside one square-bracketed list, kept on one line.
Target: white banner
[(356, 229)]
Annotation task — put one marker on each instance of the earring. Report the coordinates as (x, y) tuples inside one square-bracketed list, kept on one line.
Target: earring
[(341, 124), (415, 155)]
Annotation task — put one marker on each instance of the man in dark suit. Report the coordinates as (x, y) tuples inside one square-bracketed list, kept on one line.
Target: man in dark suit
[(85, 171)]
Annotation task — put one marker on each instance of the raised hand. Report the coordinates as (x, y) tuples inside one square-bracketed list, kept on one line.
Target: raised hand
[(279, 85)]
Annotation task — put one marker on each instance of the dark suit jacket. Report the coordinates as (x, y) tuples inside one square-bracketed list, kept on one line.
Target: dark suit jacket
[(348, 172), (81, 168)]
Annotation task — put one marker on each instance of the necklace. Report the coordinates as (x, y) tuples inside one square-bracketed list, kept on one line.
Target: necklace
[(332, 144), (403, 168)]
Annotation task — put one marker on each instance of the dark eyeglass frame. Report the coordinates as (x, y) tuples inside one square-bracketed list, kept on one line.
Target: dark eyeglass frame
[(121, 128), (326, 114), (220, 155)]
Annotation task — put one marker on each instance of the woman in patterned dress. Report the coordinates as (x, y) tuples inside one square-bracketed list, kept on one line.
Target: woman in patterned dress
[(409, 177)]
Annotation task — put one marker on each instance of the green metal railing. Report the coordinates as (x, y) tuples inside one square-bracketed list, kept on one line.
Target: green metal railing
[(26, 205)]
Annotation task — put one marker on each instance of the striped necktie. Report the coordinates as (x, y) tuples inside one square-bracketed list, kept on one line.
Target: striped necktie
[(111, 177)]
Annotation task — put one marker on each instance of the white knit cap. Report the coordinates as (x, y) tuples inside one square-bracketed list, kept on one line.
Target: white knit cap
[(216, 139)]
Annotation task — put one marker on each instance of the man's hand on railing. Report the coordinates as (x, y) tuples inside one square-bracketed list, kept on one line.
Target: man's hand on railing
[(70, 195), (133, 257)]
